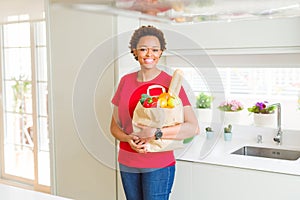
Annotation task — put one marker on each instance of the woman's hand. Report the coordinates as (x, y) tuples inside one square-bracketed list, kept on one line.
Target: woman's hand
[(137, 144), (139, 140)]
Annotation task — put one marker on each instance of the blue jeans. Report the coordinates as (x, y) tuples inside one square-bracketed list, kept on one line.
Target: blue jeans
[(147, 183)]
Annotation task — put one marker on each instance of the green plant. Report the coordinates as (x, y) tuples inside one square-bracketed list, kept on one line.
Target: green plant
[(263, 108), (208, 129), (204, 100), (228, 129), (21, 88), (231, 106)]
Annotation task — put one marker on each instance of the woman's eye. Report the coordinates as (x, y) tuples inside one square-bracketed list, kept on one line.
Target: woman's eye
[(156, 50)]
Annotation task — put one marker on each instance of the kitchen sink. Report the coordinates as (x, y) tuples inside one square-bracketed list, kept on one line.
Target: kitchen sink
[(268, 153)]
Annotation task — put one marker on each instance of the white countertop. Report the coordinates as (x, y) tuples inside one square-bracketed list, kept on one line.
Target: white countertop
[(218, 152), (13, 193)]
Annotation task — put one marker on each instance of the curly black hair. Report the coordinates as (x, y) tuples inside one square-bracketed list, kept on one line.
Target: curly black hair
[(146, 31)]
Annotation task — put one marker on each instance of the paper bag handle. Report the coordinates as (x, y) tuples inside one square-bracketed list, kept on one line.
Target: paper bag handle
[(155, 87)]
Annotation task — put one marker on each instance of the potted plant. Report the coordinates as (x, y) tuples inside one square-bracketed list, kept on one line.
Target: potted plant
[(204, 101), (228, 133), (203, 107), (209, 132), (231, 106), (22, 95), (231, 111), (263, 114)]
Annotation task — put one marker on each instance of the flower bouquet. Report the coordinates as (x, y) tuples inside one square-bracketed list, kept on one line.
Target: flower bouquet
[(263, 114), (231, 110), (231, 106), (263, 108)]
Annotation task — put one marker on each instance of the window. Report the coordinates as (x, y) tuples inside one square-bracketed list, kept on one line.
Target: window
[(275, 80), (24, 125)]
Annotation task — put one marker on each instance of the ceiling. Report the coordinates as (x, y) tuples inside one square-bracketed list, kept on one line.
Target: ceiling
[(189, 11), (169, 11)]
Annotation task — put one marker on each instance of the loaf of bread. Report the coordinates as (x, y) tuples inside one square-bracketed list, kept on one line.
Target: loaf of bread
[(176, 83)]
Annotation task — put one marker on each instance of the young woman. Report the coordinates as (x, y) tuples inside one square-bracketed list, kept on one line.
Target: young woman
[(145, 175)]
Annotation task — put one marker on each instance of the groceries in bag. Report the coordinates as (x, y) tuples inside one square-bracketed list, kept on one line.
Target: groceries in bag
[(161, 111)]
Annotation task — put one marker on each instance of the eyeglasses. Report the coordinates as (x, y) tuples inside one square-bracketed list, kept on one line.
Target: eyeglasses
[(146, 49)]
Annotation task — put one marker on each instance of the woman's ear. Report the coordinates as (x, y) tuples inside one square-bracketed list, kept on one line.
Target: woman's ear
[(134, 51), (161, 54)]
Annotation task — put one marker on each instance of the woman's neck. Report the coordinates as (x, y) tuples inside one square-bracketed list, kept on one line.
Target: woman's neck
[(147, 75)]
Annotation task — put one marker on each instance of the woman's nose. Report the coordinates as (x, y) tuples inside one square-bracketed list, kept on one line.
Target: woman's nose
[(149, 52)]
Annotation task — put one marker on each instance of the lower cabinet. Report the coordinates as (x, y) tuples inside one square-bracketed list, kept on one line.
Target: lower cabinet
[(182, 188), (196, 181)]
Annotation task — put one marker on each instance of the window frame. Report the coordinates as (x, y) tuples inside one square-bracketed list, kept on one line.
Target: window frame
[(8, 178)]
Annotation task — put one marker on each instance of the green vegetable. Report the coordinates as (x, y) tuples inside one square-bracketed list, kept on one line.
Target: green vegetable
[(188, 140), (143, 98)]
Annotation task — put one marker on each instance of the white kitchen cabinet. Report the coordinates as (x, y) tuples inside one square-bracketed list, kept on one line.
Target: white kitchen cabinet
[(251, 34), (182, 188), (196, 181)]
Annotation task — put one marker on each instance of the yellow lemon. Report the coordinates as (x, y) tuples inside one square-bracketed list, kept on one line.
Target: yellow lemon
[(164, 95), (171, 102), (163, 102)]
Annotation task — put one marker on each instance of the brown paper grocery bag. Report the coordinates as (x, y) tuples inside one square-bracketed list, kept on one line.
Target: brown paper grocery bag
[(164, 145), (158, 118), (162, 117)]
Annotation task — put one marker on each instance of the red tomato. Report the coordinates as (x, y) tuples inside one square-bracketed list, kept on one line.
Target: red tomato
[(148, 102), (154, 103), (154, 99)]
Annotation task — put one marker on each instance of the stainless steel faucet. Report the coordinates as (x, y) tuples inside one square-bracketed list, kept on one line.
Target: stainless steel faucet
[(259, 139), (278, 137)]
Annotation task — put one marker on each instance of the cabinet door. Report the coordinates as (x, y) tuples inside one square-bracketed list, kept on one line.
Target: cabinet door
[(227, 183), (283, 32), (182, 187)]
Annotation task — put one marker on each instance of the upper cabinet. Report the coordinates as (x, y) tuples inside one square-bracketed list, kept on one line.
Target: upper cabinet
[(269, 34)]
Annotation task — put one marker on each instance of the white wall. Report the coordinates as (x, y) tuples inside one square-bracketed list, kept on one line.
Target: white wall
[(78, 172)]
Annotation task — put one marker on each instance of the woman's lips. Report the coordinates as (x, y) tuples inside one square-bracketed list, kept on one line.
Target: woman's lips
[(148, 60)]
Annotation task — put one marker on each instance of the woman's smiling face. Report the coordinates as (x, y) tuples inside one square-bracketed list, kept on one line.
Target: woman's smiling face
[(148, 51)]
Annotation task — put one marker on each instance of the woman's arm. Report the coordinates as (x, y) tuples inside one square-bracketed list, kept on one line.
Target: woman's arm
[(120, 135), (187, 129)]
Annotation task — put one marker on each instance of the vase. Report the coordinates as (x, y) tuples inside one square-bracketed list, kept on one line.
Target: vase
[(227, 136), (204, 114), (264, 120), (230, 117), (209, 134)]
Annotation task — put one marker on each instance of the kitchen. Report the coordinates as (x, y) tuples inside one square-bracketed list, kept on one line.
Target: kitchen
[(82, 171)]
